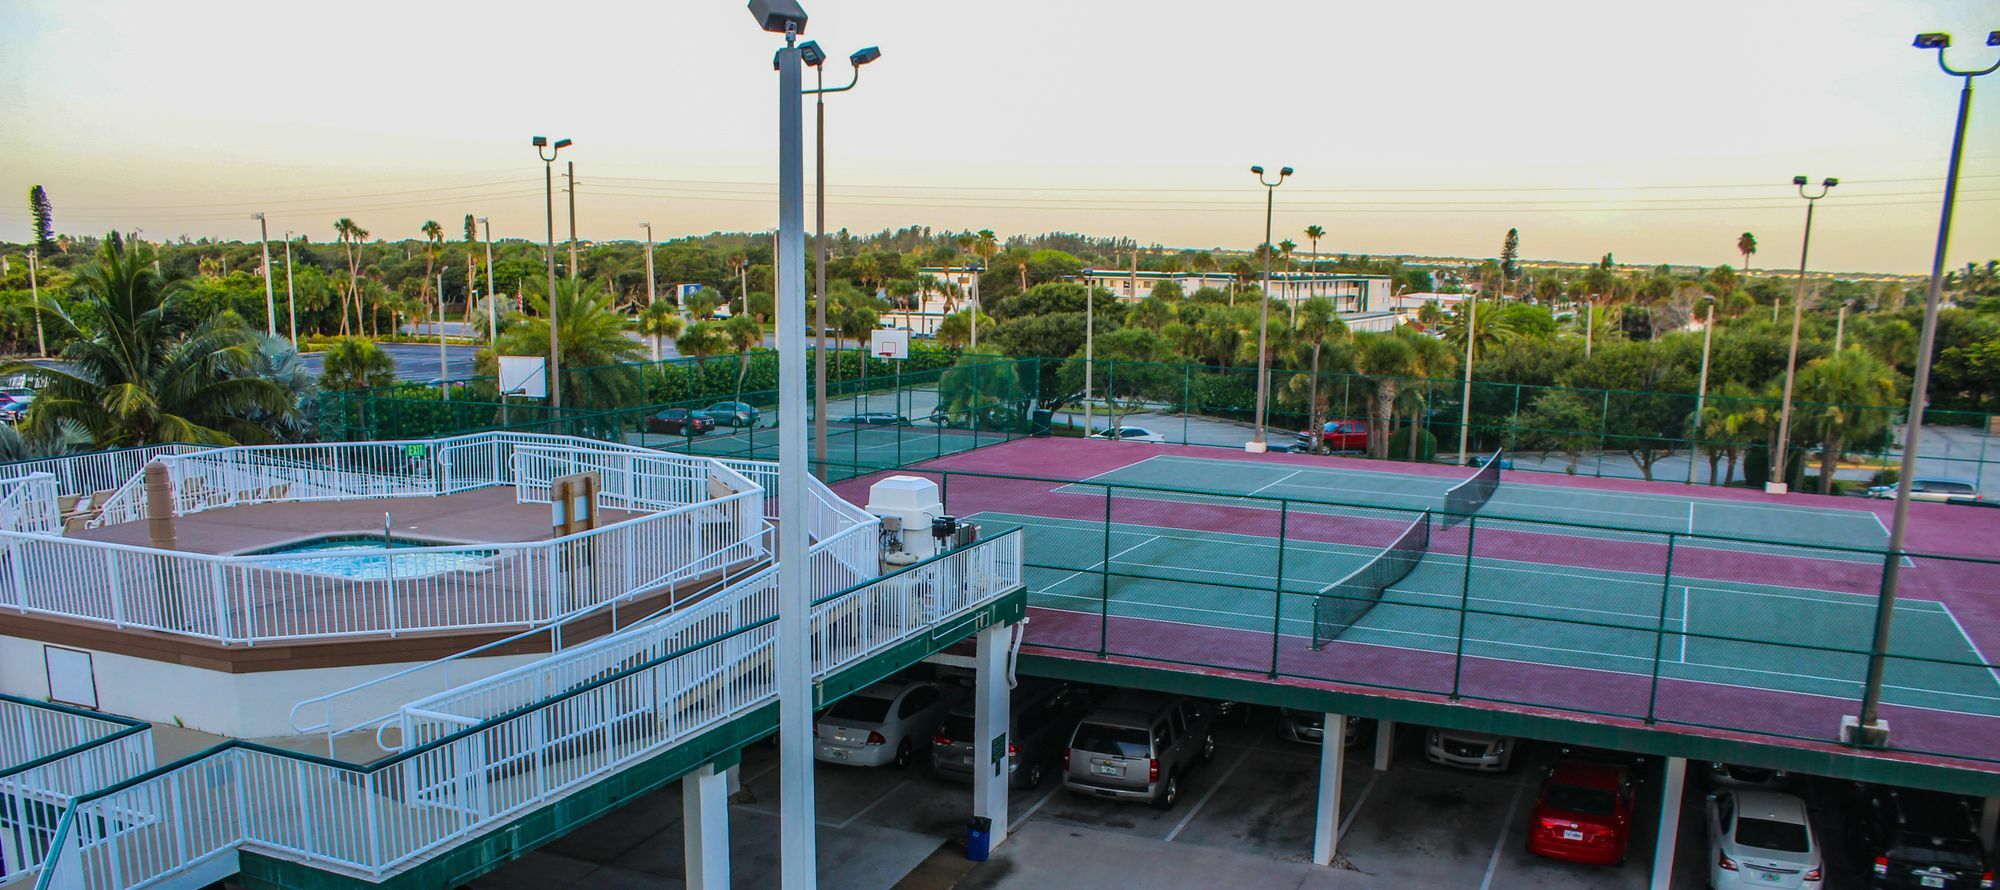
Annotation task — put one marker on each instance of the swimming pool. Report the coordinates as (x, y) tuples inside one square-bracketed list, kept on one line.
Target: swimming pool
[(324, 556)]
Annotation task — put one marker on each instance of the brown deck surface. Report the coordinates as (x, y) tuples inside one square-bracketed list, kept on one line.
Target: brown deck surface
[(484, 516)]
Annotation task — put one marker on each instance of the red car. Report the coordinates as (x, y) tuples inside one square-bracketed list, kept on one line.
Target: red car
[(1338, 435), (1583, 814), (679, 422)]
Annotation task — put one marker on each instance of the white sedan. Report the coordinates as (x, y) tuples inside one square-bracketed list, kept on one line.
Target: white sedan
[(1761, 839), (883, 724), (1130, 434)]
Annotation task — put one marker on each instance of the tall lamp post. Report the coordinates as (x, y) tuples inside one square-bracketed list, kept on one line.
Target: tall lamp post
[(492, 295), (1089, 344), (547, 152), (1256, 444), (812, 55), (1776, 484), (1465, 401), (796, 826), (1701, 389), (570, 177), (651, 291), (1869, 729), (270, 301)]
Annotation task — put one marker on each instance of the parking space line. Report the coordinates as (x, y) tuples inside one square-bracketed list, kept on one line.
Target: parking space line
[(1212, 788), (1500, 843), (1030, 814), (877, 802), (1359, 799)]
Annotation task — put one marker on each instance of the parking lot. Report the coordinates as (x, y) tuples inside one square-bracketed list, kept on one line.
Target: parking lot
[(1245, 819)]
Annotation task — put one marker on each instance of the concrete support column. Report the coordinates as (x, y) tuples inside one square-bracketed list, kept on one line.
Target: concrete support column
[(1385, 743), (1326, 815), (1670, 823), (705, 824), (1989, 821), (989, 730)]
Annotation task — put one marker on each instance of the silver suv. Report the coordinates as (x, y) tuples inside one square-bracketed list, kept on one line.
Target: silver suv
[(1138, 746)]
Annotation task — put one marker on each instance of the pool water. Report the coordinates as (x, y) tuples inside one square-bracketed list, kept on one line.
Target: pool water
[(323, 556)]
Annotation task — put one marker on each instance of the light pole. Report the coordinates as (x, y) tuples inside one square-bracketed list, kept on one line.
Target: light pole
[(796, 826), (570, 177), (1465, 401), (291, 296), (547, 152), (1256, 444), (35, 296), (1701, 389), (1870, 729), (270, 302), (651, 292), (812, 55), (1089, 344), (1776, 484), (492, 295), (444, 386)]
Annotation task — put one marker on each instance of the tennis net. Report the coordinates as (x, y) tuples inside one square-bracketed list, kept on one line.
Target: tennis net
[(1340, 604), (1465, 498)]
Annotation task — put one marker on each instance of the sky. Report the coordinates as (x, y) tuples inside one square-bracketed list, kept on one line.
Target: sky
[(1656, 132)]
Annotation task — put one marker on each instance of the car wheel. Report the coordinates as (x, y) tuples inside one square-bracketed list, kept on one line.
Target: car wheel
[(1170, 791), (1208, 747), (1033, 779), (903, 754)]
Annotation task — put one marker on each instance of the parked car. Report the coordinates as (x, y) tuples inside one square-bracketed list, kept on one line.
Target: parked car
[(884, 724), (1918, 839), (679, 422), (732, 414), (875, 418), (1338, 435), (11, 410), (1045, 715), (1139, 746), (1761, 839), (1470, 750), (1309, 727), (1736, 775), (1931, 488), (1582, 814), (1130, 434)]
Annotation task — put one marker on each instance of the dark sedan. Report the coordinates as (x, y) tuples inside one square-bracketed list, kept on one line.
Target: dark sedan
[(679, 422), (875, 418)]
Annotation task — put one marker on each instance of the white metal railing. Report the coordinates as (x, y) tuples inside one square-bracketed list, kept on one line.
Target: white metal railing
[(82, 474), (31, 504), (49, 756), (373, 821), (246, 599)]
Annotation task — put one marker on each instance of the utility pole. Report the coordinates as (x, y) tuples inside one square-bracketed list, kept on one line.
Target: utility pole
[(492, 295), (270, 303), (291, 296), (1777, 484), (571, 176), (35, 294), (548, 154), (444, 386), (1701, 389), (651, 292), (1465, 402)]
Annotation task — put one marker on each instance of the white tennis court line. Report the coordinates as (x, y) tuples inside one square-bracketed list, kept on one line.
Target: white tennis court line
[(1972, 645), (1691, 516), (1278, 481), (1105, 563), (1687, 598)]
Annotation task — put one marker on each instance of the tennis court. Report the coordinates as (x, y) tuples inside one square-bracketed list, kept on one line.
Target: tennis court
[(868, 446), (1769, 526), (1714, 631)]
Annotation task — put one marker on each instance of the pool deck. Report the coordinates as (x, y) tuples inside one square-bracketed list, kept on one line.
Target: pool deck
[(482, 516)]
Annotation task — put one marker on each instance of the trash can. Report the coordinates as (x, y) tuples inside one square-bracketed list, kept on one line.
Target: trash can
[(978, 838), (1041, 423)]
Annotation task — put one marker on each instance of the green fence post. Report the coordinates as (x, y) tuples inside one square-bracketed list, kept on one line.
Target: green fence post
[(1278, 589), (1464, 605), (1660, 632), (1603, 431), (1514, 422), (1104, 584), (1187, 399)]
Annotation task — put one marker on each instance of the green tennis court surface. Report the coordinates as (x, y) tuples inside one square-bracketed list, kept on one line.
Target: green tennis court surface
[(883, 446), (1514, 610), (1640, 512)]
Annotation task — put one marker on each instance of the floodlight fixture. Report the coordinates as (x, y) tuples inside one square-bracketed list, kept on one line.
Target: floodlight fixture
[(868, 54), (562, 144), (541, 141), (1799, 180), (1284, 172), (811, 54), (1993, 38), (779, 16), (1257, 170), (1829, 183), (1932, 41)]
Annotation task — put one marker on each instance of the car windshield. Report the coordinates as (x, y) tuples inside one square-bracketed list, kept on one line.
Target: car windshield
[(1119, 741), (1589, 801), (957, 727), (1929, 849), (1769, 834), (861, 709)]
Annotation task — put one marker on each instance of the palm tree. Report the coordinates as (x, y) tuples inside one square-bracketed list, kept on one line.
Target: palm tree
[(701, 339), (955, 330), (592, 335), (351, 236), (1746, 244), (1388, 359), (1319, 321), (1285, 249), (433, 241), (743, 334), (1313, 234), (127, 377), (1843, 393), (660, 322), (986, 246), (352, 363)]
